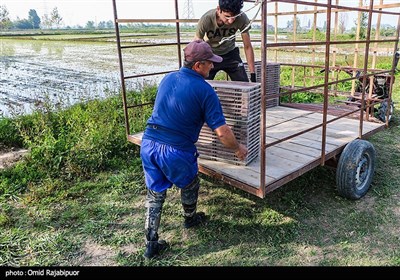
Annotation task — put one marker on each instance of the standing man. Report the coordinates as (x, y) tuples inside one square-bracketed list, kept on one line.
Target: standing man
[(183, 103), (218, 28)]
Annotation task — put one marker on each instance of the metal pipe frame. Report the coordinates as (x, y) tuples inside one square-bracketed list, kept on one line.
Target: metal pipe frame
[(367, 102)]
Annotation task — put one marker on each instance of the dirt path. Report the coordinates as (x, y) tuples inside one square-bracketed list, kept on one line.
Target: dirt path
[(8, 158)]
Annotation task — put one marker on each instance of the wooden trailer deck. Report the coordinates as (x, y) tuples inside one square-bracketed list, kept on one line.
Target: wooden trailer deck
[(291, 158)]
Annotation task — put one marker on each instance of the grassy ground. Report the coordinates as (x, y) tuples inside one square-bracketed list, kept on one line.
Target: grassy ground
[(60, 213)]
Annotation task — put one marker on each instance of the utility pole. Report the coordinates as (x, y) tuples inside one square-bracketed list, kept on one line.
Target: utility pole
[(188, 12), (45, 8)]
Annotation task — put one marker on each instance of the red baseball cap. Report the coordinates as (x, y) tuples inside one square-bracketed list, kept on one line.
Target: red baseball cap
[(199, 50)]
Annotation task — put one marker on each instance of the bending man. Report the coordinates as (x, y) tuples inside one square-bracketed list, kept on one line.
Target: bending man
[(183, 103)]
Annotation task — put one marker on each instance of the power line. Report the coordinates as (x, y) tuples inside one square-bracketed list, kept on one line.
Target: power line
[(188, 12)]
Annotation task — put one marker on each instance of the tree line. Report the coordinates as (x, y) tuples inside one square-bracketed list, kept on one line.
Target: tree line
[(48, 21), (386, 30)]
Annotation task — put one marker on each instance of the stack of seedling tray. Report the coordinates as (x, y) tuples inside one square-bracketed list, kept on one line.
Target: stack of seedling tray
[(240, 103), (273, 80)]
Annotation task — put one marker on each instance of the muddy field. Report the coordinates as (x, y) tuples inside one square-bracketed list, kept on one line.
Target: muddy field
[(63, 73)]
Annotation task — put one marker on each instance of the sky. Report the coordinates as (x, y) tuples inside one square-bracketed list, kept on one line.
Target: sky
[(78, 12)]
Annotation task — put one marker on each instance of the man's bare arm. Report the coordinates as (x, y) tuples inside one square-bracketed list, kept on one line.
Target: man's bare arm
[(228, 139), (248, 50)]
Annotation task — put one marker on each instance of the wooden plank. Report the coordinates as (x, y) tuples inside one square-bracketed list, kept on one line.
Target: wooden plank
[(286, 112), (289, 155), (279, 162), (301, 148), (286, 129), (281, 114), (340, 128), (333, 138), (366, 124), (136, 138), (311, 143), (277, 166), (246, 174), (338, 132), (335, 130), (272, 121)]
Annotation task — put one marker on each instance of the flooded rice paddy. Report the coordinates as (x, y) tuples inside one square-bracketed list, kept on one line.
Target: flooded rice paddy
[(65, 72)]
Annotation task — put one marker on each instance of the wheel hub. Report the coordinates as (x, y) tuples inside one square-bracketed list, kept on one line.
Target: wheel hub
[(362, 171)]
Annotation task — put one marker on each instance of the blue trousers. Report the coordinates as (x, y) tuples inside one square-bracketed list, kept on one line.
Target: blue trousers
[(165, 166)]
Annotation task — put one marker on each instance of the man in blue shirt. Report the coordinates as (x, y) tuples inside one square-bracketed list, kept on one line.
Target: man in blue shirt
[(183, 103)]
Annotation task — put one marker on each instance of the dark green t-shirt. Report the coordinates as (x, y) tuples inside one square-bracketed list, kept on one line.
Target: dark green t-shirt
[(208, 29)]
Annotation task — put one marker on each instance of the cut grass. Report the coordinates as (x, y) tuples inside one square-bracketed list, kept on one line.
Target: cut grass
[(101, 222)]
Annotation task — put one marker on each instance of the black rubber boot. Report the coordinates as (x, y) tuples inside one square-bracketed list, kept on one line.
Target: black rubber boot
[(154, 202), (189, 195), (154, 246), (196, 219)]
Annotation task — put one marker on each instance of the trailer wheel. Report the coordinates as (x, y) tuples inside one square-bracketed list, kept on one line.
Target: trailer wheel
[(382, 111), (355, 169)]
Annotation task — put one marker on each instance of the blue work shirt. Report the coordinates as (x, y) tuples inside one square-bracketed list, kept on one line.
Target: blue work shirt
[(184, 101)]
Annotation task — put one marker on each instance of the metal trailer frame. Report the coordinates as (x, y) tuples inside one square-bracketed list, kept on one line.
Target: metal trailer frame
[(365, 125)]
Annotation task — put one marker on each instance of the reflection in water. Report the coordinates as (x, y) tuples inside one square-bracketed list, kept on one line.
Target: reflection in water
[(6, 49), (37, 46), (56, 49)]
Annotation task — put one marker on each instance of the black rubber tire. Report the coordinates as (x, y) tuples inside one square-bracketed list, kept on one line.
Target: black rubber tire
[(382, 111), (355, 169)]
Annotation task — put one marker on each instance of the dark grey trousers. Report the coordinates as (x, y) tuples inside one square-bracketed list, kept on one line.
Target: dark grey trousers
[(155, 201), (232, 64)]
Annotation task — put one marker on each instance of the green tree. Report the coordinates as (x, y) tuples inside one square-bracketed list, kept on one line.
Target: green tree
[(90, 25), (343, 22), (34, 19), (363, 23), (23, 24), (290, 24), (110, 24), (55, 18), (46, 21), (388, 30), (5, 22), (101, 25)]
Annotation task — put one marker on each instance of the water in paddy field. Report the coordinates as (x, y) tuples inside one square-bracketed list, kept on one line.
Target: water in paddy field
[(65, 72)]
